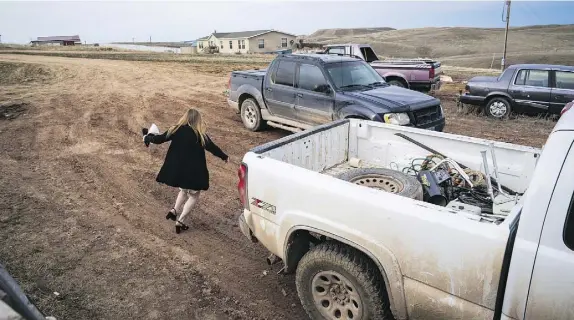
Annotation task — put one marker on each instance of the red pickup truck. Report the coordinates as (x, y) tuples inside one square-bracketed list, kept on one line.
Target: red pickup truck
[(416, 74)]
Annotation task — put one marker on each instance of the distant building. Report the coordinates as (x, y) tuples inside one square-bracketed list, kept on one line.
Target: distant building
[(57, 41), (258, 41)]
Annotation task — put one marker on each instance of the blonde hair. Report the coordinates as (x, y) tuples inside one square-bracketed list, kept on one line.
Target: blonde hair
[(193, 119)]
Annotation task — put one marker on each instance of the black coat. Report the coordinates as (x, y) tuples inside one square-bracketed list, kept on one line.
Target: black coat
[(185, 166)]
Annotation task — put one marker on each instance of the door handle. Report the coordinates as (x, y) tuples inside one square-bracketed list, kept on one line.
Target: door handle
[(268, 89), (299, 95)]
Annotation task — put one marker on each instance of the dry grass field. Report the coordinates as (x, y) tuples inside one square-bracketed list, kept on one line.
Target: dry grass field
[(465, 47), (82, 215)]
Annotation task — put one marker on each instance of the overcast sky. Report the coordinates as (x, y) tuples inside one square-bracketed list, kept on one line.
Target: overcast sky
[(97, 21)]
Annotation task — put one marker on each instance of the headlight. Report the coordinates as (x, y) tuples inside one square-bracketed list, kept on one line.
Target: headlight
[(400, 119)]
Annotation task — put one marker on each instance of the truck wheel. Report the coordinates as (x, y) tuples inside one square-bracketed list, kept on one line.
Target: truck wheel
[(385, 179), (498, 108), (251, 115), (338, 282), (397, 83)]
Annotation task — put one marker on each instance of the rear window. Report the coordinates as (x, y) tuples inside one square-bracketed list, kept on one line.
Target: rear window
[(285, 73), (336, 50)]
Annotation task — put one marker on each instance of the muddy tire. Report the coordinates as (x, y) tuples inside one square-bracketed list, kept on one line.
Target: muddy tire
[(498, 108), (251, 115), (387, 180), (335, 281)]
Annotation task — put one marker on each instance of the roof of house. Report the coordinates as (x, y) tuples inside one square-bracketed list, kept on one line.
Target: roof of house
[(203, 38), (241, 34), (75, 38)]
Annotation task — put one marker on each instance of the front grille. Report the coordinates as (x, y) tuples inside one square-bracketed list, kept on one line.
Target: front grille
[(426, 115)]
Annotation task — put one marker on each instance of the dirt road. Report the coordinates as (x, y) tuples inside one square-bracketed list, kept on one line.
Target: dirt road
[(82, 215)]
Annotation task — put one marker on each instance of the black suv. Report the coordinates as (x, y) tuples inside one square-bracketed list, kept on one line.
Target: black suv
[(522, 88)]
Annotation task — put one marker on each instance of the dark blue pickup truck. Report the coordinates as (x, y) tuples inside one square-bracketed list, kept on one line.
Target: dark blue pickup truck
[(300, 91)]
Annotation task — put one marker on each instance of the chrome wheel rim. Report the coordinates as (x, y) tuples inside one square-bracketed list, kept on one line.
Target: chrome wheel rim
[(498, 109), (336, 297), (250, 116), (379, 182)]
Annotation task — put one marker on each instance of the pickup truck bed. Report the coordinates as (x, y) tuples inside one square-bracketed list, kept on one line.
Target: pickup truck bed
[(377, 146)]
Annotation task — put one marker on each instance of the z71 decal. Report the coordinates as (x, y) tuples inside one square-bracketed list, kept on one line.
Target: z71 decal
[(263, 205)]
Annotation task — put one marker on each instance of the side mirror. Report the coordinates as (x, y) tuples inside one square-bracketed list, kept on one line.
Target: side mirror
[(324, 88)]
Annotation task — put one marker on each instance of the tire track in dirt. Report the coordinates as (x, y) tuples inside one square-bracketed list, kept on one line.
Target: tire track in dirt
[(87, 155)]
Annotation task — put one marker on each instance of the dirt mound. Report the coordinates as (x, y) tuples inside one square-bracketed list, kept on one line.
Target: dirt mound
[(12, 110), (22, 73)]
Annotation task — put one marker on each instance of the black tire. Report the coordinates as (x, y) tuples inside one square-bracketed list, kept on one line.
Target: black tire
[(498, 108), (251, 115), (387, 180), (363, 292), (397, 83)]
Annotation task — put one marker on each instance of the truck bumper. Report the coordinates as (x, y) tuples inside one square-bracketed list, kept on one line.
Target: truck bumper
[(233, 105), (437, 125), (425, 86), (472, 100), (245, 228)]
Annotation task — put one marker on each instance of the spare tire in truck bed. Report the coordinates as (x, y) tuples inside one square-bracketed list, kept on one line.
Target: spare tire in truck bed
[(386, 180)]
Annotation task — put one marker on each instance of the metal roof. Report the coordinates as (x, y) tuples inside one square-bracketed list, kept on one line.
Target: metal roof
[(75, 38), (245, 34)]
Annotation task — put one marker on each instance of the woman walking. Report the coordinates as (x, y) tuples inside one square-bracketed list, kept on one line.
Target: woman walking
[(185, 166)]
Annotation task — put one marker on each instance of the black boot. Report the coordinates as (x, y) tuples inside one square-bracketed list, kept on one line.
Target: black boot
[(171, 215), (180, 227)]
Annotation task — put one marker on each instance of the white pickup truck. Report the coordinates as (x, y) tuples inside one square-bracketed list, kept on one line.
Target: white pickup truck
[(381, 253)]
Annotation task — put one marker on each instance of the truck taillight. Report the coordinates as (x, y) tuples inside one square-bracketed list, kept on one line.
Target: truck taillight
[(431, 73), (566, 108), (242, 185)]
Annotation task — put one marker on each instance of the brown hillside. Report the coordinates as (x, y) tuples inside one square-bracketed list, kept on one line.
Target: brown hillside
[(469, 47)]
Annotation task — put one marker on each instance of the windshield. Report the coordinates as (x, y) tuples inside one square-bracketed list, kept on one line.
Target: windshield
[(353, 74)]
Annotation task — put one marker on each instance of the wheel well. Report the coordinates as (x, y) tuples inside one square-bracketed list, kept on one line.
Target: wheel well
[(244, 97), (488, 99), (301, 241), (402, 80)]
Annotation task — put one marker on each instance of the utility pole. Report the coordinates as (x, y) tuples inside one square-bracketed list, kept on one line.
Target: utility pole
[(503, 62)]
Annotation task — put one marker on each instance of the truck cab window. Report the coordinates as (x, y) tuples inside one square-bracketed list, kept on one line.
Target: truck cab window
[(336, 51), (532, 78), (369, 54), (285, 73), (569, 226), (311, 78)]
